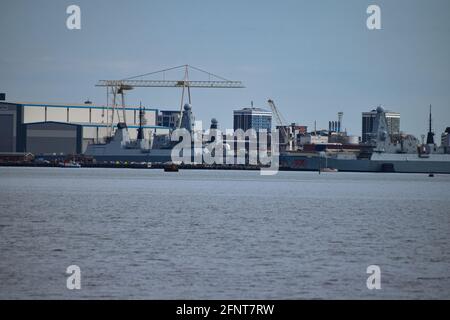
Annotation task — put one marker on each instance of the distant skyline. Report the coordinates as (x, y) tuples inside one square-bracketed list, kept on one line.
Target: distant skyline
[(314, 58)]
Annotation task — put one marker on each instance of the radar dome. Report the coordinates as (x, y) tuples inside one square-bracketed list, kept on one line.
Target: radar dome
[(187, 106), (380, 109)]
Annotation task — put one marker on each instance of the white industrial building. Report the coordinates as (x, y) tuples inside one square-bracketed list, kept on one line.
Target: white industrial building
[(48, 128)]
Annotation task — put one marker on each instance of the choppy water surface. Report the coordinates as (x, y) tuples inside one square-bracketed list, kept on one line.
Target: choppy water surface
[(222, 234)]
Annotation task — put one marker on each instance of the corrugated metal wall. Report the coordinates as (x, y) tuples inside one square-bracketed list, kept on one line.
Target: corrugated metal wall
[(45, 138)]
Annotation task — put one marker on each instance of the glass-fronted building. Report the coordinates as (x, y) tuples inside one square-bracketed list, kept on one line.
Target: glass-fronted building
[(252, 118)]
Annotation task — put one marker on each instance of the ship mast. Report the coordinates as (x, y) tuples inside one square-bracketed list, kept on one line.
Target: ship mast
[(430, 135)]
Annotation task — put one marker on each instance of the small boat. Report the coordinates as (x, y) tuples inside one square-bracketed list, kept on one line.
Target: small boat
[(170, 167), (69, 164), (325, 168), (328, 170)]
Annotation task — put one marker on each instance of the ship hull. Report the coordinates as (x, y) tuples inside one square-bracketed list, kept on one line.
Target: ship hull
[(401, 164), (101, 153), (132, 158)]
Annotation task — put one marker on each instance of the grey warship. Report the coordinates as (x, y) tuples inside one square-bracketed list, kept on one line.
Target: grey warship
[(385, 153), (156, 149)]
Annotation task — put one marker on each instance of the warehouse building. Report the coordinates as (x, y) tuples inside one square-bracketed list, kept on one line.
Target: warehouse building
[(65, 129), (53, 137)]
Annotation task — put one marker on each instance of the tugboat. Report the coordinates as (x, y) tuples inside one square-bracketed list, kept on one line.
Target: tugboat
[(170, 167)]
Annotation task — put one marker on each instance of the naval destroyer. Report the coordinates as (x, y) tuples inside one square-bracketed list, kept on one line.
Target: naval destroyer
[(120, 148), (384, 153)]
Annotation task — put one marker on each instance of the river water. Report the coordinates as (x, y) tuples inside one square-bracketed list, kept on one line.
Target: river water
[(147, 234)]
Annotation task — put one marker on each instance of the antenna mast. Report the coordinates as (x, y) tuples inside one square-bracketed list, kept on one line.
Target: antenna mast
[(430, 135)]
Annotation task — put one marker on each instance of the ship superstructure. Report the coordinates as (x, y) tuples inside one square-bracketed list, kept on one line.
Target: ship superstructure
[(384, 153)]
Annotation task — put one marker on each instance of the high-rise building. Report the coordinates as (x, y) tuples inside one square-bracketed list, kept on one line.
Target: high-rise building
[(368, 118), (252, 118)]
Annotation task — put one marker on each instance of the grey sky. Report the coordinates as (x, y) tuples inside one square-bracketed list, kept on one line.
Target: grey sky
[(314, 58)]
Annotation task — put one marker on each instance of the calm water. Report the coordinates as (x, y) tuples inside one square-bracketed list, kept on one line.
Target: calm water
[(222, 234)]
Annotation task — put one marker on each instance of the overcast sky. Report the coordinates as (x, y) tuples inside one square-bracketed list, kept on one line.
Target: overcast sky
[(314, 58)]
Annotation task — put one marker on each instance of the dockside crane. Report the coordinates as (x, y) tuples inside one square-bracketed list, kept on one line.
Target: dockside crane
[(116, 88), (287, 138)]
